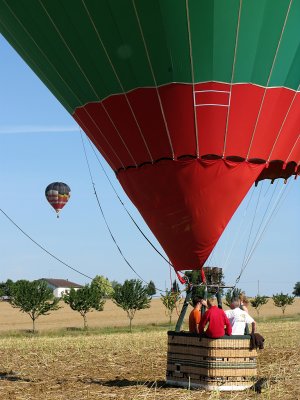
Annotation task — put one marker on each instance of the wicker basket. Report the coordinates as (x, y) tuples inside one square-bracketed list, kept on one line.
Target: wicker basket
[(213, 364)]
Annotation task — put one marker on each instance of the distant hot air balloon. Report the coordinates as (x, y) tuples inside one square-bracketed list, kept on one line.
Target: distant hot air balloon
[(58, 194), (189, 101)]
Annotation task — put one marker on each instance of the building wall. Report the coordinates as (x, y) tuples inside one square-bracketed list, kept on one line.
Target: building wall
[(58, 292)]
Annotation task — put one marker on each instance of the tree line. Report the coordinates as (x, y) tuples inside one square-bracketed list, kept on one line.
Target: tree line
[(280, 300), (36, 298)]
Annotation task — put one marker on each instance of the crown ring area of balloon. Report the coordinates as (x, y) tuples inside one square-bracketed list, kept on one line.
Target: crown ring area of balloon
[(58, 194), (190, 102)]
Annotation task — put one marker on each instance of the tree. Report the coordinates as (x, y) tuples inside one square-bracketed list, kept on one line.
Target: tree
[(283, 300), (103, 285), (114, 284), (171, 300), (195, 279), (84, 300), (296, 291), (33, 298), (198, 290), (151, 288), (131, 297), (5, 288), (231, 294), (258, 301)]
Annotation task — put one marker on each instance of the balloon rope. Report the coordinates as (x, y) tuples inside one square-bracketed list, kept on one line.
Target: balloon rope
[(43, 248), (128, 213), (154, 81), (252, 225), (244, 264), (192, 75), (232, 75), (109, 59), (238, 232), (105, 220), (275, 210), (268, 81), (262, 220)]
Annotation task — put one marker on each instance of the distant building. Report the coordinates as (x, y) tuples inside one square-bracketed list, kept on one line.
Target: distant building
[(61, 286)]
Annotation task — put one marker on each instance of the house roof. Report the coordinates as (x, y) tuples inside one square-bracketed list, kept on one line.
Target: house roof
[(64, 283)]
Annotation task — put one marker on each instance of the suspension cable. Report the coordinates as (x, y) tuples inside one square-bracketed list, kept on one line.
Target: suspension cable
[(262, 220), (252, 225), (105, 220), (237, 235), (273, 212), (43, 248), (125, 208), (275, 209)]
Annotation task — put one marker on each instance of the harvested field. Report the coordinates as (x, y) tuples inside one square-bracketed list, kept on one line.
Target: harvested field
[(123, 365), (131, 366)]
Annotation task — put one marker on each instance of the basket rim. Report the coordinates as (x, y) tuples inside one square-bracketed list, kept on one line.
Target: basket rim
[(226, 337)]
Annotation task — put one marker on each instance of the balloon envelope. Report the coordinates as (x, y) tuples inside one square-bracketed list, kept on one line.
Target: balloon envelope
[(190, 102), (58, 194)]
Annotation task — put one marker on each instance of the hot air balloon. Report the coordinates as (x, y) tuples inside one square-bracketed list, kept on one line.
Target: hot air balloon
[(189, 101), (58, 194)]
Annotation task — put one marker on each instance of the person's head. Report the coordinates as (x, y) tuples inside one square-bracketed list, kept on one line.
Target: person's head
[(211, 302), (235, 303), (197, 301), (243, 299)]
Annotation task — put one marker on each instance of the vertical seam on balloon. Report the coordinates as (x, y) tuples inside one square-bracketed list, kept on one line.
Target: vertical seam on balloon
[(293, 149), (193, 76), (98, 146), (68, 48), (101, 133), (270, 74), (232, 75), (153, 76), (86, 78), (282, 125), (54, 68), (32, 61), (119, 81), (117, 130)]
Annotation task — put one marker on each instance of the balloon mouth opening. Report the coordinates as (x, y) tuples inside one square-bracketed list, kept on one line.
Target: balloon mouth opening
[(274, 169)]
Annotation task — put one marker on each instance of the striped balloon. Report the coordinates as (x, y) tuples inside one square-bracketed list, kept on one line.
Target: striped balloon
[(58, 194)]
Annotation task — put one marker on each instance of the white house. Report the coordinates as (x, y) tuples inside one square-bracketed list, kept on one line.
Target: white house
[(61, 286)]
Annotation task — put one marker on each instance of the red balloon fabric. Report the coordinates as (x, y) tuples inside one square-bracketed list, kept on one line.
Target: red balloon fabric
[(187, 204)]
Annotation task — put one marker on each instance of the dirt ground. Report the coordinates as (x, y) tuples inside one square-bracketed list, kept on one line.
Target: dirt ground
[(132, 367), (127, 366), (112, 316)]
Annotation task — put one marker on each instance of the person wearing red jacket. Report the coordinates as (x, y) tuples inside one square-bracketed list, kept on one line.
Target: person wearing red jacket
[(218, 323)]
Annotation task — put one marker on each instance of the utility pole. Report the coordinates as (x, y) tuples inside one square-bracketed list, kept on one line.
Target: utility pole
[(258, 287)]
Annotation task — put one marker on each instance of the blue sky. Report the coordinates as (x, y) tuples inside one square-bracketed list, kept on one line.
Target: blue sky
[(40, 143)]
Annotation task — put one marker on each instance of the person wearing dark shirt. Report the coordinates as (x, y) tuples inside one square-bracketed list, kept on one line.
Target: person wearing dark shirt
[(218, 323)]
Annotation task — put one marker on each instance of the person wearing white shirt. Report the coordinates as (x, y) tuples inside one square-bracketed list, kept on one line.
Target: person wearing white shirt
[(239, 318)]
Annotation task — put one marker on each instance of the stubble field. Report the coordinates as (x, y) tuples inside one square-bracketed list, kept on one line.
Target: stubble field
[(93, 365)]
